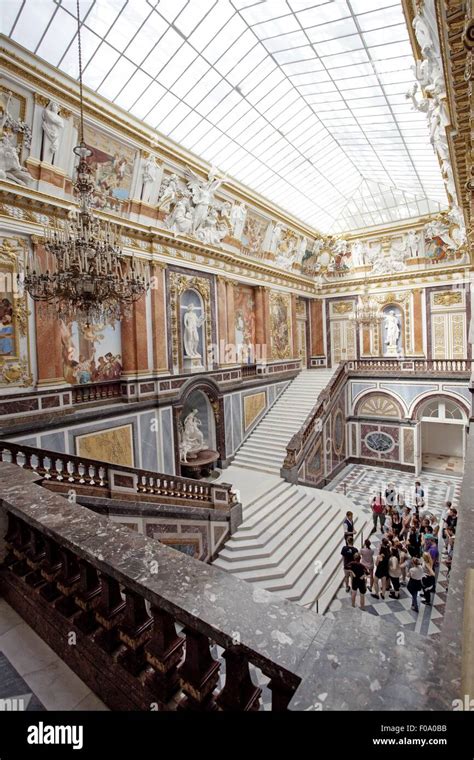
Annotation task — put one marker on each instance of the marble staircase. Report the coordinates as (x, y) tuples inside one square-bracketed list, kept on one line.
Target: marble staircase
[(265, 448), (290, 539)]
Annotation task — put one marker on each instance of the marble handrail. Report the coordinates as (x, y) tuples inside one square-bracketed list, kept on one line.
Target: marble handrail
[(122, 594), (75, 471)]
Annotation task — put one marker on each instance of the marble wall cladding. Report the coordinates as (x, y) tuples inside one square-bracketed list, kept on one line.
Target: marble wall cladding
[(152, 438), (380, 442), (148, 438), (51, 441), (229, 446), (167, 440), (236, 421), (408, 445), (234, 414)]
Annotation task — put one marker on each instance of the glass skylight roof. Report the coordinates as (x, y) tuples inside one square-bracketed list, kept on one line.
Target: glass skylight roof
[(301, 100)]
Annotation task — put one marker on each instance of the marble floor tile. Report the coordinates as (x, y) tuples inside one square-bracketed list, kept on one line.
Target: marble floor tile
[(8, 617), (25, 649), (58, 687)]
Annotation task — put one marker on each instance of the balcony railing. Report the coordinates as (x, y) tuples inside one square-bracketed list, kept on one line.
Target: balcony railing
[(434, 366), (85, 474), (144, 617), (82, 394)]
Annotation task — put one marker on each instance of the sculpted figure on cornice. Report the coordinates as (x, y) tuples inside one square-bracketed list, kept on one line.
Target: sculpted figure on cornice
[(53, 125), (149, 175), (168, 192), (276, 236), (12, 124), (10, 167), (202, 192), (392, 262), (237, 218), (430, 78)]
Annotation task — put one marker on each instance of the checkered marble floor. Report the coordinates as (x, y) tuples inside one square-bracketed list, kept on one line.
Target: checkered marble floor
[(360, 484)]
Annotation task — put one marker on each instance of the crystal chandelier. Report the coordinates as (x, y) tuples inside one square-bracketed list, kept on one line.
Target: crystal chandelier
[(84, 276), (367, 310)]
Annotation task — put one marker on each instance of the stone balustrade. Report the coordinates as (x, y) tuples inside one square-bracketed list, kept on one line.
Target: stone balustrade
[(142, 617), (87, 475), (139, 622), (397, 366)]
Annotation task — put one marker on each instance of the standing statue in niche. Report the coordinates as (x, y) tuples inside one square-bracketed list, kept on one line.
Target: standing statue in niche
[(191, 436), (392, 332), (150, 171), (192, 323), (53, 125)]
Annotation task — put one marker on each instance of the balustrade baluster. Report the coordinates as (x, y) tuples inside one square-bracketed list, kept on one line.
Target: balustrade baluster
[(142, 487), (164, 652), (47, 464), (67, 583), (34, 558), (281, 694), (198, 674), (7, 456), (87, 598), (91, 474), (20, 545), (81, 471), (134, 632), (239, 692), (109, 614), (12, 537), (71, 470), (59, 469), (102, 475), (50, 569)]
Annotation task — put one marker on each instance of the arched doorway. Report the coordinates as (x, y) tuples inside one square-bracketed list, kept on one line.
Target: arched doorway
[(442, 436)]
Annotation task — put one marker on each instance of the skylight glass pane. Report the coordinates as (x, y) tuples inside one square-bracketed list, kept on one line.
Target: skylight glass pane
[(57, 39), (10, 10), (303, 99)]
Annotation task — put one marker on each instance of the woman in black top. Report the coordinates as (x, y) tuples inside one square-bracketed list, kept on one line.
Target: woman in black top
[(396, 523), (381, 572), (359, 574)]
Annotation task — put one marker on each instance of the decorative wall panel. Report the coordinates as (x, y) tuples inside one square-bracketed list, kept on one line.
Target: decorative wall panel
[(114, 445), (280, 319), (253, 407)]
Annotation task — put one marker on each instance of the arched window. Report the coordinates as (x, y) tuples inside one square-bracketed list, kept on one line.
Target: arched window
[(443, 410)]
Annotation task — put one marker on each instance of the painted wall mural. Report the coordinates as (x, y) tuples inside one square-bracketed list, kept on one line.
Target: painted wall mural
[(90, 354), (114, 445), (280, 320), (14, 344), (112, 163), (244, 315)]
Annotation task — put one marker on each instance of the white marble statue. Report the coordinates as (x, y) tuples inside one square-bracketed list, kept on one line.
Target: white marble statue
[(192, 438), (413, 244), (202, 194), (359, 253), (53, 125), (10, 167), (211, 231), (192, 323), (180, 220), (383, 263), (276, 237), (422, 34), (150, 171), (237, 218), (458, 226), (299, 256), (439, 229), (392, 331), (168, 192)]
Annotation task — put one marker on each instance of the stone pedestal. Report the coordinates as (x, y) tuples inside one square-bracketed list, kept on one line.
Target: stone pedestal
[(193, 364), (199, 465)]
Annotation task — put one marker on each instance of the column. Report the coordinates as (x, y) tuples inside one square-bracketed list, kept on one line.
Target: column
[(221, 317), (267, 326), (418, 322), (48, 337), (230, 284), (159, 324), (294, 327), (134, 339), (317, 328)]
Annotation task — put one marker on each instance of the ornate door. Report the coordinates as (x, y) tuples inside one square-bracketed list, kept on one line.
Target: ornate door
[(343, 341), (302, 350), (449, 335)]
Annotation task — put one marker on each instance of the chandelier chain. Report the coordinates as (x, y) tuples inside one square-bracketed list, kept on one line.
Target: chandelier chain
[(79, 50)]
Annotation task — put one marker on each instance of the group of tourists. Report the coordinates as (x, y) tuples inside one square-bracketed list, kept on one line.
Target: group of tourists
[(407, 554)]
